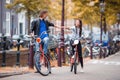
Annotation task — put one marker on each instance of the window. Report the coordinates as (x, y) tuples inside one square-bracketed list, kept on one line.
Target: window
[(8, 22), (7, 1), (7, 16), (21, 28)]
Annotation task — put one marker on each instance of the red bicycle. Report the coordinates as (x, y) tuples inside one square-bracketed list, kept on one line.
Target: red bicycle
[(74, 58), (41, 60)]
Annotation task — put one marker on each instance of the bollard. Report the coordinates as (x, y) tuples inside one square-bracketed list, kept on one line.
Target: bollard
[(91, 53), (18, 53), (100, 52), (4, 52), (31, 59), (63, 54), (59, 57), (105, 51)]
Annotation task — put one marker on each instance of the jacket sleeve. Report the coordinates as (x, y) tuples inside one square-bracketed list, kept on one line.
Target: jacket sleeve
[(50, 24), (33, 26)]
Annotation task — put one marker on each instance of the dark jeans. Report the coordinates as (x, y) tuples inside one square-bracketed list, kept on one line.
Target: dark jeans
[(79, 48)]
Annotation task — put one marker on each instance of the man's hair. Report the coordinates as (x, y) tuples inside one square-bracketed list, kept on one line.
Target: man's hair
[(42, 12)]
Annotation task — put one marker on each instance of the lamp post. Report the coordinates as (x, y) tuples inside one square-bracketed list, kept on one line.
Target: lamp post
[(62, 31), (61, 45), (102, 10), (118, 19)]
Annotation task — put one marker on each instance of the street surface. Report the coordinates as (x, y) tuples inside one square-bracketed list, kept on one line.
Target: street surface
[(104, 69)]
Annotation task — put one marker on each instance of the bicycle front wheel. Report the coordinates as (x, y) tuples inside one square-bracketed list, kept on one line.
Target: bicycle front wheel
[(75, 63), (42, 64)]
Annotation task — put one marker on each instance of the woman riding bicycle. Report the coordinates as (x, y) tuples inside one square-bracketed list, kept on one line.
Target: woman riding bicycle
[(76, 34)]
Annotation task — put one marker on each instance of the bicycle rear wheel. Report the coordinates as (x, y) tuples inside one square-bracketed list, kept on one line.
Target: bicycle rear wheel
[(42, 64)]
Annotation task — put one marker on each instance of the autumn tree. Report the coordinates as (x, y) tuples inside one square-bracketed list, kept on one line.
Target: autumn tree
[(89, 10), (31, 7), (56, 9)]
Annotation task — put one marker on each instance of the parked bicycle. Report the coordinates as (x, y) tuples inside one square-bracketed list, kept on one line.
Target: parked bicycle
[(95, 50)]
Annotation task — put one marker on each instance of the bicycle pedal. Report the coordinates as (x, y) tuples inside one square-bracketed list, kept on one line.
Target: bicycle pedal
[(50, 72)]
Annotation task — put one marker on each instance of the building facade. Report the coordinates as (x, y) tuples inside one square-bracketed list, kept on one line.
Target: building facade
[(11, 23)]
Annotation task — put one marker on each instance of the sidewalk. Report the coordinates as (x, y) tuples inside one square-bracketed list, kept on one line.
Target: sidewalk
[(101, 69), (10, 71)]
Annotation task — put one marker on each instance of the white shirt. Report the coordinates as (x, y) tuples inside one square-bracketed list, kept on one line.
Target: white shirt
[(75, 34)]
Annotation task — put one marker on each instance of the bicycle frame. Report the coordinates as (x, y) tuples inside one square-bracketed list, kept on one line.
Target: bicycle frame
[(42, 53), (40, 47), (75, 55), (75, 59)]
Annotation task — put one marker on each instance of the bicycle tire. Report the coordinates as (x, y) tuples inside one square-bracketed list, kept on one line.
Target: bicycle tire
[(75, 68), (39, 67), (72, 65), (35, 56), (75, 64)]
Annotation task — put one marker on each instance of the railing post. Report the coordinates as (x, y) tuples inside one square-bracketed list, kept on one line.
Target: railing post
[(91, 53), (4, 51), (18, 53), (31, 57), (59, 57), (100, 54)]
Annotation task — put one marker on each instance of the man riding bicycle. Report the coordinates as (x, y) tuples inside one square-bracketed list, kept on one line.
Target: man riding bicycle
[(40, 27)]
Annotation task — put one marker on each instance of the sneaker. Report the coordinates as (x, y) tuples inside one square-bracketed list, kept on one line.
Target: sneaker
[(82, 71), (36, 71)]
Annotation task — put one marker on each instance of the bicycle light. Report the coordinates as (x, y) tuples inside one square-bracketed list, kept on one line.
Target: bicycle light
[(38, 40), (76, 42)]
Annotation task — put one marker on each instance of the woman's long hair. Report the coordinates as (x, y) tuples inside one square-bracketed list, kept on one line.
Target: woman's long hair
[(80, 26)]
